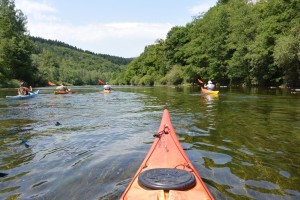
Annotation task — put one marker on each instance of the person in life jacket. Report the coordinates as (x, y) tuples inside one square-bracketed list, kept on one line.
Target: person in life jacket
[(209, 85), (62, 87), (23, 90), (107, 87)]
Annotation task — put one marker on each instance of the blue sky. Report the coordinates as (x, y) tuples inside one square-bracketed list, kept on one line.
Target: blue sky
[(114, 27)]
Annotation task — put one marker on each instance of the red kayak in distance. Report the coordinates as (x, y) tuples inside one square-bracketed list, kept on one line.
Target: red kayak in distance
[(166, 172), (64, 92)]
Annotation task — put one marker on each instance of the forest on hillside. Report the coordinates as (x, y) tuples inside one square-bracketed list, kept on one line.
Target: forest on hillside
[(236, 42), (37, 60), (57, 61)]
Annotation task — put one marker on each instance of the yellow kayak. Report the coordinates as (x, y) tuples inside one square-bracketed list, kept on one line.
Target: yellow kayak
[(209, 91)]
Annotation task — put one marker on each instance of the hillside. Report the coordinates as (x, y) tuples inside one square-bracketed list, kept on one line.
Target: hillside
[(57, 61)]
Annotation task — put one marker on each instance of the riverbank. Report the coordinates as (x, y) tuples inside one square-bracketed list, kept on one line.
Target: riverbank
[(10, 83)]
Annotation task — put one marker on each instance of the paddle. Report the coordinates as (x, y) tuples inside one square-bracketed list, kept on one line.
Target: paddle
[(200, 81), (51, 84), (101, 82)]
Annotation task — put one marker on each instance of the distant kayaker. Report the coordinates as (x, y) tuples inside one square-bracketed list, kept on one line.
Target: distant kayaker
[(23, 90), (209, 85), (62, 87), (107, 86)]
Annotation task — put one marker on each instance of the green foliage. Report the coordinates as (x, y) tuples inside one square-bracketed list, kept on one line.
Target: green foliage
[(152, 64), (235, 42), (15, 44), (174, 77), (58, 62), (176, 39), (287, 56), (114, 59), (10, 83), (147, 80)]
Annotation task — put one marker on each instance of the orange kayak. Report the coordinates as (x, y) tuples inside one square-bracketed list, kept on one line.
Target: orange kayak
[(209, 91), (166, 172), (64, 92)]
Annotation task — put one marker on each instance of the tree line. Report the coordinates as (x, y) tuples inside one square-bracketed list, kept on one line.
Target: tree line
[(114, 59), (235, 42)]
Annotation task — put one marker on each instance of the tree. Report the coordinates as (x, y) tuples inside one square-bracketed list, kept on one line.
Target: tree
[(287, 56), (177, 37), (15, 44)]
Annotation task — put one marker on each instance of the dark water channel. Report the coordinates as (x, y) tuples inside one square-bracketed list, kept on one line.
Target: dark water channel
[(245, 143)]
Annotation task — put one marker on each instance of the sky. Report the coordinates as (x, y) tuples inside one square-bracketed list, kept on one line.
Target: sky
[(114, 27)]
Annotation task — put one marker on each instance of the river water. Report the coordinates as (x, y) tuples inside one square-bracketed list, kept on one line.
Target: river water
[(245, 143)]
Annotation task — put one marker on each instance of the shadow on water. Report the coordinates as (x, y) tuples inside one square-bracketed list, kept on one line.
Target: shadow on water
[(243, 142)]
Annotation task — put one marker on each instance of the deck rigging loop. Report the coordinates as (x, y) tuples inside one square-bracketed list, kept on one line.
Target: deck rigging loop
[(184, 166), (160, 133)]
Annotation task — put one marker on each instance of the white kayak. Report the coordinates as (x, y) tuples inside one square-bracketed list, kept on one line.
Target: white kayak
[(30, 95)]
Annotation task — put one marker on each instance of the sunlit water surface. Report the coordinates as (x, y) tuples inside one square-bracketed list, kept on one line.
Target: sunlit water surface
[(245, 143)]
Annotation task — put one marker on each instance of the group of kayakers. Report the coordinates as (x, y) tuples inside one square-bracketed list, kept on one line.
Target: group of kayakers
[(24, 90)]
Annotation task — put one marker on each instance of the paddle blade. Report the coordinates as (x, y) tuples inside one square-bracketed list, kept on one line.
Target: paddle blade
[(200, 81), (50, 83), (101, 82)]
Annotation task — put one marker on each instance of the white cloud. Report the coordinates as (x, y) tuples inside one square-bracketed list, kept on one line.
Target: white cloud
[(101, 37), (126, 39), (37, 11)]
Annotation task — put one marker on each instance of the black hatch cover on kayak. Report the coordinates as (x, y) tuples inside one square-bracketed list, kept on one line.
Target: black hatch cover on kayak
[(167, 179)]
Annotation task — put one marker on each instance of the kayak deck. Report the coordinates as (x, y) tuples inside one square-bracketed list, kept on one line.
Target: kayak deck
[(166, 154)]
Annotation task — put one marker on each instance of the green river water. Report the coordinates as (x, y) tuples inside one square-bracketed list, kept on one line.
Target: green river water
[(245, 142)]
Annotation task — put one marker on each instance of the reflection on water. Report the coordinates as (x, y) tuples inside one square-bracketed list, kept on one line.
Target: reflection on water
[(245, 144), (210, 104)]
